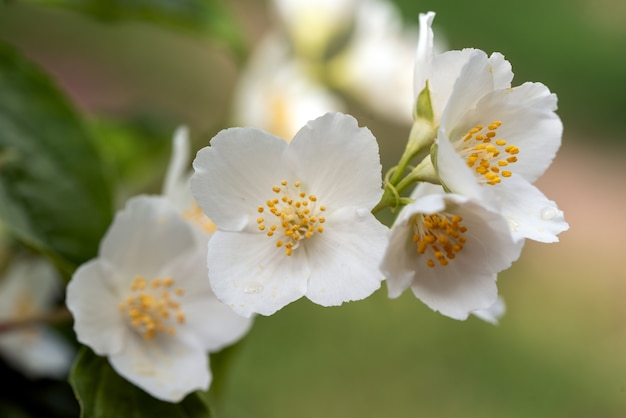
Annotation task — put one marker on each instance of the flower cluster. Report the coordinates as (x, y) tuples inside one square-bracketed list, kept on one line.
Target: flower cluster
[(266, 219)]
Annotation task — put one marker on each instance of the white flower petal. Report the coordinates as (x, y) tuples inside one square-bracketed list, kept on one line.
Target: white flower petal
[(501, 70), (425, 52), (176, 183), (93, 299), (337, 161), (236, 174), (251, 275), (344, 259), (493, 313), (206, 318), (529, 212), (167, 368), (37, 352), (137, 237), (473, 82)]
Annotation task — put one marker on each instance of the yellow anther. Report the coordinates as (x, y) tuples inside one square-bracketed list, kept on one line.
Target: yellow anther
[(260, 220), (506, 173), (276, 189), (297, 184), (260, 209), (284, 182)]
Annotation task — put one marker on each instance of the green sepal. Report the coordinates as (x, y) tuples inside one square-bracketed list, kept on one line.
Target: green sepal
[(424, 106)]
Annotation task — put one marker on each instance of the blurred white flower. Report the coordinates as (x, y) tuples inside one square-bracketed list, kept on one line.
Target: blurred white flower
[(28, 290), (448, 249), (376, 67), (294, 218), (313, 25), (145, 302), (277, 94)]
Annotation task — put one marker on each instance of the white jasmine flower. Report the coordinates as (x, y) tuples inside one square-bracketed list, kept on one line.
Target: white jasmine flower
[(277, 94), (146, 304), (493, 144), (293, 218), (448, 249), (28, 290), (493, 140)]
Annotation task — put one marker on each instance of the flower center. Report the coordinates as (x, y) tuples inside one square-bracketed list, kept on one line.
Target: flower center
[(441, 235), (152, 308), (295, 214), (486, 155)]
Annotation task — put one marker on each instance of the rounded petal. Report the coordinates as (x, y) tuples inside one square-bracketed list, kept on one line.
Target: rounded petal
[(337, 161), (344, 259), (529, 212), (474, 81), (398, 262), (167, 368), (143, 237), (251, 275), (501, 70), (93, 299), (206, 318), (236, 174)]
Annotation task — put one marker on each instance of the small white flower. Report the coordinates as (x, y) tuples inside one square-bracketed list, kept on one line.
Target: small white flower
[(146, 304), (277, 94), (293, 218), (28, 289), (448, 249), (493, 141)]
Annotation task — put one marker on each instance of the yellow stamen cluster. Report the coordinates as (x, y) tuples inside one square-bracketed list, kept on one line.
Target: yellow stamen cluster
[(151, 308), (441, 234), (195, 215), (298, 216), (487, 155)]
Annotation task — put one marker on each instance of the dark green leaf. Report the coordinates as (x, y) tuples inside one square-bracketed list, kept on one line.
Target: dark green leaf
[(102, 393), (54, 194)]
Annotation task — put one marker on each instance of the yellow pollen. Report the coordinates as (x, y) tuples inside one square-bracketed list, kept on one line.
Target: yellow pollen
[(482, 155), (151, 309), (297, 216), (438, 237)]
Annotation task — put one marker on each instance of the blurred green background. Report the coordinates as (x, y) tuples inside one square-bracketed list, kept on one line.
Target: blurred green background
[(560, 350)]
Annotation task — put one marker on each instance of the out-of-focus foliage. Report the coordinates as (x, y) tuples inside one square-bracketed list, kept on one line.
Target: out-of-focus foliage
[(208, 16), (103, 393), (52, 185)]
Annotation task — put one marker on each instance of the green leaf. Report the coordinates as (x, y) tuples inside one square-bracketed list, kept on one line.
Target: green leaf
[(102, 393), (54, 195), (208, 16)]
